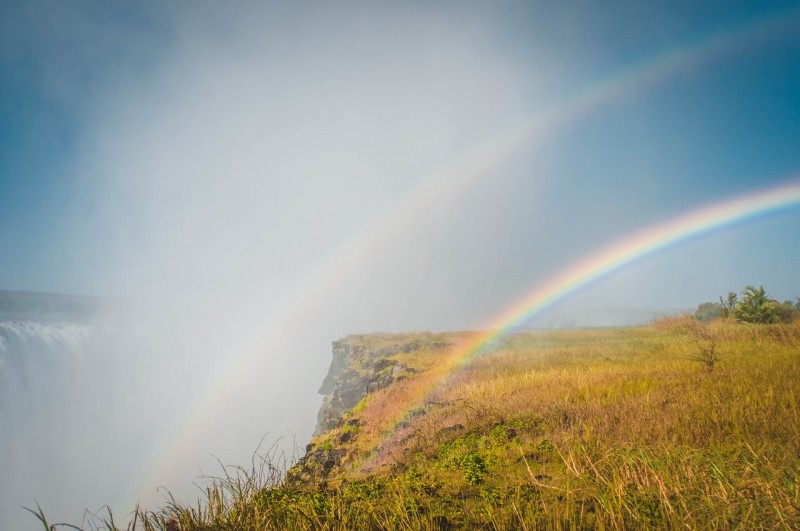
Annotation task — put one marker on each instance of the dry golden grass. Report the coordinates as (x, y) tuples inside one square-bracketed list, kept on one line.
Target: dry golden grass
[(631, 422)]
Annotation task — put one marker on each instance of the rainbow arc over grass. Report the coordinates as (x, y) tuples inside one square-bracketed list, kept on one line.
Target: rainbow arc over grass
[(621, 253), (602, 262)]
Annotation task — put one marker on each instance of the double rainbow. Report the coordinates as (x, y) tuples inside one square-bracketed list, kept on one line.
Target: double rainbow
[(464, 173)]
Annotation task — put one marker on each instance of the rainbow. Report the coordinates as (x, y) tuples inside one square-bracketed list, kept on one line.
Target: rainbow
[(484, 159), (617, 255), (601, 263), (457, 178)]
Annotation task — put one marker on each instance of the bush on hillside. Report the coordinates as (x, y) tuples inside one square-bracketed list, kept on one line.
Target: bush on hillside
[(756, 306), (708, 311)]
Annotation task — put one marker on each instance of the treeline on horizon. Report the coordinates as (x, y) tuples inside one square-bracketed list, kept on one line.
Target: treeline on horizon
[(753, 305)]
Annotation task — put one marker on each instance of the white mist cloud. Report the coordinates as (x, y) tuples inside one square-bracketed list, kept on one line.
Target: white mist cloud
[(217, 181)]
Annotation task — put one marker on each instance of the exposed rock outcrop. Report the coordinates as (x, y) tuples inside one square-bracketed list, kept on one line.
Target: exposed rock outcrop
[(360, 365)]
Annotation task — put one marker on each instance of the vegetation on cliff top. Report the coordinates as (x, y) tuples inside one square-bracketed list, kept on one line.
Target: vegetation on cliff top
[(753, 306), (603, 428)]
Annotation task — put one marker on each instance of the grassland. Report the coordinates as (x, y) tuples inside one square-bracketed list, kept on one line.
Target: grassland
[(674, 425)]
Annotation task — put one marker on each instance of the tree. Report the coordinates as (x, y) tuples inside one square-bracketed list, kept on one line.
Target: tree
[(707, 353), (785, 311), (708, 311), (728, 304), (755, 307)]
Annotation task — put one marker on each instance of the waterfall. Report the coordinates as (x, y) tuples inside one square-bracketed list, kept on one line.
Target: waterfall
[(48, 350)]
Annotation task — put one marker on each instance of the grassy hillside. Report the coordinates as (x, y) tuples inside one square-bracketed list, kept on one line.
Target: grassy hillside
[(671, 425)]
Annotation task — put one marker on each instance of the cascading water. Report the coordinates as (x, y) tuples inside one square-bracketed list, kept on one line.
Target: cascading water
[(30, 350), (46, 345), (88, 391)]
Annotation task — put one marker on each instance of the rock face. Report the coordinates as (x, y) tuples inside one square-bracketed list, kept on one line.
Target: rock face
[(360, 365)]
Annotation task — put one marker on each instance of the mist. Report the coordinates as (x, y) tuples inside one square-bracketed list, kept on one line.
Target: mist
[(226, 188), (247, 185)]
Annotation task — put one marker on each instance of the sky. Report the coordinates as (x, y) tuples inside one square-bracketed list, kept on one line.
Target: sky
[(258, 179), (141, 141)]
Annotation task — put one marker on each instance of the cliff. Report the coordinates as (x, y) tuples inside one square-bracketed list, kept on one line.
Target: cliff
[(362, 367), (568, 429), (363, 364)]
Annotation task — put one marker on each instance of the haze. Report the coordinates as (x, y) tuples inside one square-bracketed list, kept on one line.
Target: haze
[(241, 184)]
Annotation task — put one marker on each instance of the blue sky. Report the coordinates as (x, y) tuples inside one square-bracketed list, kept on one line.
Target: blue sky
[(86, 88)]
